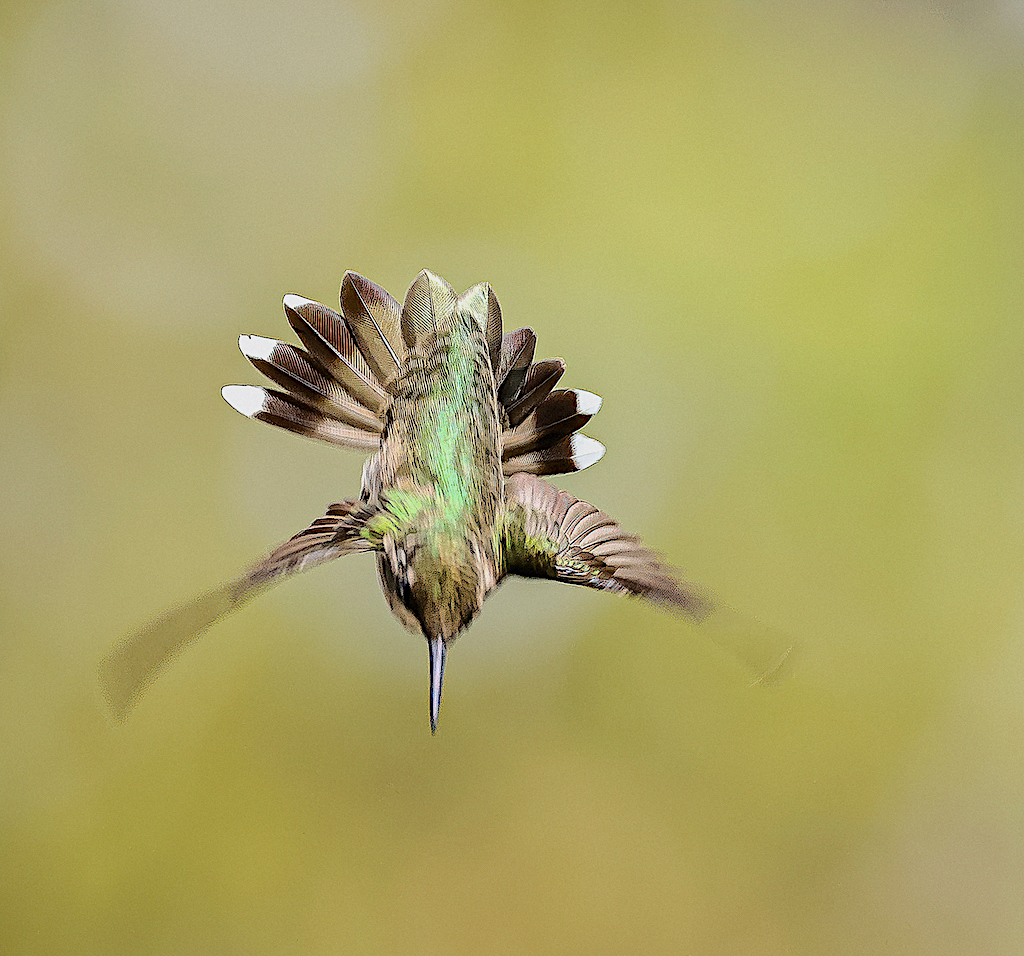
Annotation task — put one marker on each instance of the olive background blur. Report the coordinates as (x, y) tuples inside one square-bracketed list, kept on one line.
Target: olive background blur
[(783, 240)]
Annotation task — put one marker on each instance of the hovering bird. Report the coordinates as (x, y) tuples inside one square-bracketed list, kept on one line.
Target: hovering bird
[(461, 423)]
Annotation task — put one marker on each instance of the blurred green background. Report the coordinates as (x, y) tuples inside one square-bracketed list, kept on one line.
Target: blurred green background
[(783, 240)]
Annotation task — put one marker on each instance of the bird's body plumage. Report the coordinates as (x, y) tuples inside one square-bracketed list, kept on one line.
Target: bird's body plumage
[(461, 422)]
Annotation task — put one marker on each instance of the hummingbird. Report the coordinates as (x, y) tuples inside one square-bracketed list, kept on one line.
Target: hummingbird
[(461, 425)]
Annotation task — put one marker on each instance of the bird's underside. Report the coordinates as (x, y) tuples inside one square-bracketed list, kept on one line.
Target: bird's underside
[(462, 424)]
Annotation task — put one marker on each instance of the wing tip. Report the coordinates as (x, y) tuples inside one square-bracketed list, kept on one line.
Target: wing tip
[(120, 702)]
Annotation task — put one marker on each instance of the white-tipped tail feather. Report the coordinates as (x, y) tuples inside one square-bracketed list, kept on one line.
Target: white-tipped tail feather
[(561, 414), (586, 451), (296, 302), (285, 411), (587, 402), (257, 347), (250, 400)]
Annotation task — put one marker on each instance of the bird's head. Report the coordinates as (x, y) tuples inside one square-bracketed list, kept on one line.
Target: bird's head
[(435, 588)]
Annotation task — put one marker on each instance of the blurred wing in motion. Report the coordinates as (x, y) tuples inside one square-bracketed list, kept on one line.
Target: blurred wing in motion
[(551, 533), (135, 662)]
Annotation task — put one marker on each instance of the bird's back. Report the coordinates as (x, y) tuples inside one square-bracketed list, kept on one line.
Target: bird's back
[(441, 433)]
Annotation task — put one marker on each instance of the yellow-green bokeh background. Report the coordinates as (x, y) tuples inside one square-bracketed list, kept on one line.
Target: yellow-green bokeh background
[(783, 240)]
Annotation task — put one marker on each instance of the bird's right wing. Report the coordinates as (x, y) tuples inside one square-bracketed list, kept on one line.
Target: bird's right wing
[(134, 662), (550, 533)]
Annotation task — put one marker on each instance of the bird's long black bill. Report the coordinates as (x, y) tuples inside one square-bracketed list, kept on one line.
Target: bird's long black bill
[(438, 652)]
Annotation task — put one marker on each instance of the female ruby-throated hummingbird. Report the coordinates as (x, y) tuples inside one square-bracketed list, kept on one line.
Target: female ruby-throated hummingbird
[(461, 422)]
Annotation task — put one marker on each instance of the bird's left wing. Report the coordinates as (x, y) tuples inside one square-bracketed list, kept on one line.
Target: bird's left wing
[(134, 662)]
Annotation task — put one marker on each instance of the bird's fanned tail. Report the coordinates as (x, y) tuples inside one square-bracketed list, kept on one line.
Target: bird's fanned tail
[(337, 389)]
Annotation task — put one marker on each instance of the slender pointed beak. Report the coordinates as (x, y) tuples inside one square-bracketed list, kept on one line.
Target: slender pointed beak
[(437, 654)]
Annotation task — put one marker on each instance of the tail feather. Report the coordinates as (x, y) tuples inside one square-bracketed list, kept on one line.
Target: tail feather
[(287, 412), (513, 363), (540, 379), (428, 305), (330, 342), (301, 376), (540, 420), (481, 302), (561, 413), (374, 319), (571, 453)]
